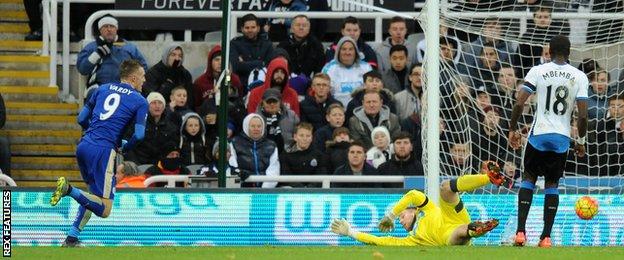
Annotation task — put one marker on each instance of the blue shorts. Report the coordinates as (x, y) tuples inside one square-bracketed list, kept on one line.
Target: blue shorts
[(97, 167)]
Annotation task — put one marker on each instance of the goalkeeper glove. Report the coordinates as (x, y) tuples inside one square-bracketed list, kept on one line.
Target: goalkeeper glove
[(343, 228), (386, 224)]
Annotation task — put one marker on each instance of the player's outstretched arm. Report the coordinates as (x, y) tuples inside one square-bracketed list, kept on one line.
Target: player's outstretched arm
[(516, 112), (412, 198), (343, 228)]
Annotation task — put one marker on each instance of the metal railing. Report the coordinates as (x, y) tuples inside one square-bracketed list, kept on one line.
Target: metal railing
[(326, 180)]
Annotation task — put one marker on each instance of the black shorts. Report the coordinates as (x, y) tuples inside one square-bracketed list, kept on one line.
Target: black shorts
[(548, 164)]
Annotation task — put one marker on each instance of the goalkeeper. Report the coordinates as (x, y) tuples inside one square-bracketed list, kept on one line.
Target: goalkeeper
[(448, 224)]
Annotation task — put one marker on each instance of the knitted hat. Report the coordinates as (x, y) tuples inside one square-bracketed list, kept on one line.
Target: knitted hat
[(155, 96), (108, 20)]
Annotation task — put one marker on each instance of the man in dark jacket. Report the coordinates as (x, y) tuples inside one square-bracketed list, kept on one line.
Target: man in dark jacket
[(356, 166), (168, 74), (403, 162), (302, 158), (306, 53), (249, 51), (160, 133), (5, 152), (314, 106)]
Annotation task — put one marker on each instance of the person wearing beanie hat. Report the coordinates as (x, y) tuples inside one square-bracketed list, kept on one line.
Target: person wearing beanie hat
[(161, 132), (382, 148), (99, 60)]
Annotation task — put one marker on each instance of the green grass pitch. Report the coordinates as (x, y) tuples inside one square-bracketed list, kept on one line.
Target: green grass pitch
[(318, 252)]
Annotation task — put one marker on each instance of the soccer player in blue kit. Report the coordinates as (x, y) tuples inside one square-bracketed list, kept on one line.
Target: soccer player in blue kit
[(104, 117)]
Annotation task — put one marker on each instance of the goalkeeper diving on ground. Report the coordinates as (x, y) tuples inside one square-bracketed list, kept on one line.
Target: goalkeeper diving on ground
[(446, 224)]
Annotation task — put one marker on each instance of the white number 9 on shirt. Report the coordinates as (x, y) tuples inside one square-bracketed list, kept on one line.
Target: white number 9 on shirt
[(110, 105)]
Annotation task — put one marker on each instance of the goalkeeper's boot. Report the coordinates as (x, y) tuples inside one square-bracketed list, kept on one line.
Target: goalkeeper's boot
[(71, 242), (480, 228), (520, 239), (62, 187), (545, 242), (493, 171)]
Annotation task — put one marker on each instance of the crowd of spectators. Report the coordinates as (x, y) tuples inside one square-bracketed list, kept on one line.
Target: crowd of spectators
[(350, 109)]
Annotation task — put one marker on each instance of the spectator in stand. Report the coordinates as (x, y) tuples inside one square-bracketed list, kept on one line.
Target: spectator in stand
[(459, 161), (99, 60), (306, 52), (128, 176), (236, 113), (539, 31), (588, 65), (278, 28), (356, 165), (370, 115), (169, 163), (5, 147), (278, 72), (605, 139), (504, 91), (212, 169), (408, 101), (193, 145), (449, 68), (398, 31), (303, 159), (351, 28), (483, 98), (346, 70), (335, 117), (487, 65), (403, 161), (160, 132), (178, 104), (254, 153), (372, 81), (208, 114), (299, 83), (249, 51), (314, 106), (489, 142), (337, 148), (597, 102), (280, 121), (491, 35), (457, 48), (204, 86), (396, 77), (381, 151), (169, 73)]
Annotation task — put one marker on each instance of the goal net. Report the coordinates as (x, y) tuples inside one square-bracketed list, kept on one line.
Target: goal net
[(487, 47)]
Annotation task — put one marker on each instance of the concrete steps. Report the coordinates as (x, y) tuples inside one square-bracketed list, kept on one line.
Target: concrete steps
[(29, 108), (42, 136), (37, 94), (24, 62), (43, 163), (13, 5), (43, 149), (46, 175), (19, 45), (14, 15), (24, 77), (42, 122), (49, 184)]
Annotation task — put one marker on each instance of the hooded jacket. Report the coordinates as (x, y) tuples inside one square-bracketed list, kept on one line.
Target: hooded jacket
[(366, 51), (345, 79), (193, 148), (361, 127), (204, 85), (163, 78), (289, 96), (255, 157)]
